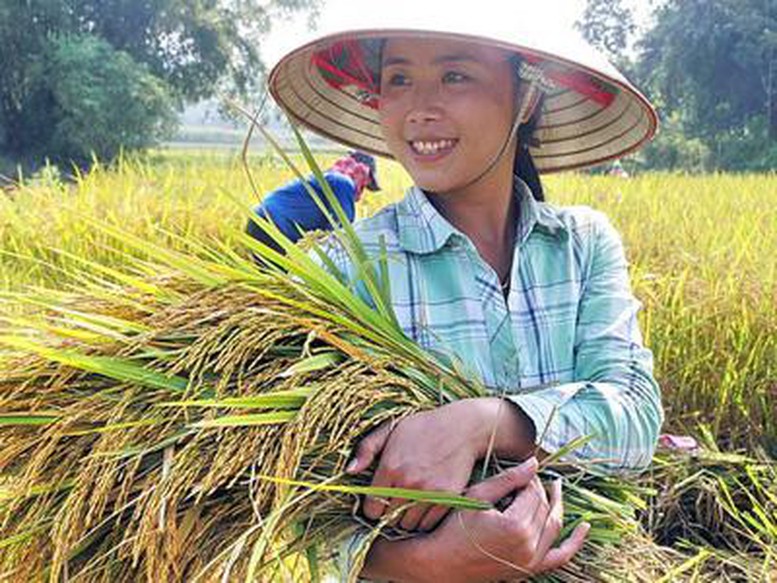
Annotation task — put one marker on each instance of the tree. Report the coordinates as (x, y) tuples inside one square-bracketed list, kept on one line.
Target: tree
[(192, 48), (714, 64), (103, 100), (609, 26)]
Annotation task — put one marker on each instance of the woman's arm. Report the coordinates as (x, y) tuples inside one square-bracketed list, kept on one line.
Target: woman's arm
[(437, 450), (615, 398)]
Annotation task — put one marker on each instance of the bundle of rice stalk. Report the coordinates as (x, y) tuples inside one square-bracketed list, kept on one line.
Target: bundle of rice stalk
[(723, 503), (139, 432), (196, 426)]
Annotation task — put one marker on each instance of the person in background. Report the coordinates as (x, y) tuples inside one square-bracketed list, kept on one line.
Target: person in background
[(295, 212), (618, 170)]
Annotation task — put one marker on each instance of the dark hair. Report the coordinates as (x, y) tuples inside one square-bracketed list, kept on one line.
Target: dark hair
[(523, 166)]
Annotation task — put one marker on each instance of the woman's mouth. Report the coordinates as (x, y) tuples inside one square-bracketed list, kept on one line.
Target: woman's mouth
[(429, 148)]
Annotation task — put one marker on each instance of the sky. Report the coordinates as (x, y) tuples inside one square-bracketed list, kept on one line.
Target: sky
[(552, 14), (549, 15)]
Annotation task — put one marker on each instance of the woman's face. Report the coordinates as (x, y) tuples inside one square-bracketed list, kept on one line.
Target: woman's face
[(446, 108)]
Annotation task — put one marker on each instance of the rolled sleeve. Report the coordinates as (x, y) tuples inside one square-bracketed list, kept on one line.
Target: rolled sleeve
[(614, 398)]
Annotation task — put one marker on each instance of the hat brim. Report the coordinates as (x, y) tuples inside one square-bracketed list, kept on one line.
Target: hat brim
[(576, 127)]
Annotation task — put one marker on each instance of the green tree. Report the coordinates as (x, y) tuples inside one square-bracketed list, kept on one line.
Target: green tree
[(716, 59), (102, 100), (713, 66), (192, 48), (609, 26)]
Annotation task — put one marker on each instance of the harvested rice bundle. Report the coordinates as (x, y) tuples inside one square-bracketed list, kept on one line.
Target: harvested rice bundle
[(173, 429), (720, 505), (143, 435)]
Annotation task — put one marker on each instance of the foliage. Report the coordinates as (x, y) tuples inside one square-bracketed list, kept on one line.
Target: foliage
[(190, 49), (722, 69), (103, 101), (672, 149), (747, 148), (609, 26), (740, 149), (711, 69)]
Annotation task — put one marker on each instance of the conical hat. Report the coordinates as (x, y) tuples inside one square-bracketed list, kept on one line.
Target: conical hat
[(591, 113)]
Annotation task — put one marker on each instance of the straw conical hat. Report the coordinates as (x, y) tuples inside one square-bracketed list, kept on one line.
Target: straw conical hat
[(591, 112)]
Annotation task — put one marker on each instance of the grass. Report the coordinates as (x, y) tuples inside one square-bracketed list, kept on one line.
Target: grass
[(701, 252)]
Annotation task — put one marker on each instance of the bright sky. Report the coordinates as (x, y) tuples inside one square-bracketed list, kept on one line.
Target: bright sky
[(549, 14)]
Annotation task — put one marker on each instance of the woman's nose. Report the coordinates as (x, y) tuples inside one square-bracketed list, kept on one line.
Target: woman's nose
[(425, 106)]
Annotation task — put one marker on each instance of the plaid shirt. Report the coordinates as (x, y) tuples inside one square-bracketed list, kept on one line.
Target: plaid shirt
[(565, 346)]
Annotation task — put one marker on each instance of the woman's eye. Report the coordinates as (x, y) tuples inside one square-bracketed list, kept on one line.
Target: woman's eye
[(454, 77), (396, 79)]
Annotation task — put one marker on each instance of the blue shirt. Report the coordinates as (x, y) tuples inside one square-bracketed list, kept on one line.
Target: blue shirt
[(291, 204)]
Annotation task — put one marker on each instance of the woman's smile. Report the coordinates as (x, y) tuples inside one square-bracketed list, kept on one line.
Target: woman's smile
[(431, 149)]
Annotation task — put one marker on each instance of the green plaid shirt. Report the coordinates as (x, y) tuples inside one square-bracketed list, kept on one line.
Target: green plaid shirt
[(565, 346)]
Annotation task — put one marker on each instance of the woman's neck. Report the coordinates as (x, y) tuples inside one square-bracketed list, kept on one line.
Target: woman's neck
[(486, 212)]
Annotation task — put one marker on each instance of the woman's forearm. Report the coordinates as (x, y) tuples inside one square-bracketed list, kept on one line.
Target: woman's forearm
[(512, 431)]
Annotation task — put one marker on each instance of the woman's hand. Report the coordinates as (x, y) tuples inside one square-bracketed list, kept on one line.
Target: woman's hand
[(509, 544), (490, 545), (436, 450)]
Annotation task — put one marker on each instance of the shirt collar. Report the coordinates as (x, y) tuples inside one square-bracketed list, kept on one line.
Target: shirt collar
[(422, 229)]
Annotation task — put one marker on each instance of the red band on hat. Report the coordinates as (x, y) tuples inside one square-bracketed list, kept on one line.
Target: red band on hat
[(591, 87), (343, 66)]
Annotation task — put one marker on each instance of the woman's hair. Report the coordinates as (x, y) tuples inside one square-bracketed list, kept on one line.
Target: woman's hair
[(523, 166)]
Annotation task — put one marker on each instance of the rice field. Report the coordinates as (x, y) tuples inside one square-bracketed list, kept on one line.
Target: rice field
[(702, 252)]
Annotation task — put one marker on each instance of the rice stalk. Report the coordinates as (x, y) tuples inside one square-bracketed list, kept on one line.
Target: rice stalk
[(113, 474), (179, 438)]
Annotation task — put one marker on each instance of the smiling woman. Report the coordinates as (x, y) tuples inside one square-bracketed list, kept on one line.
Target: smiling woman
[(436, 99), (533, 299)]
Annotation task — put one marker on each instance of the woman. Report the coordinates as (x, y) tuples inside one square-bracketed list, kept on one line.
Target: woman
[(533, 299)]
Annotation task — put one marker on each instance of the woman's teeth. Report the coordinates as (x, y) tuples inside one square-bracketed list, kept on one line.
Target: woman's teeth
[(428, 148)]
